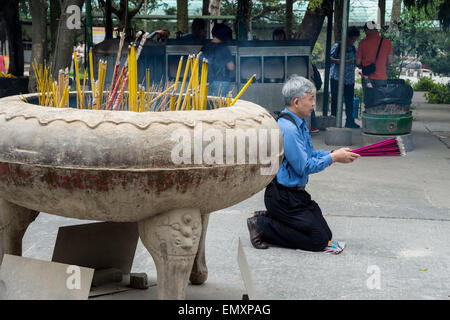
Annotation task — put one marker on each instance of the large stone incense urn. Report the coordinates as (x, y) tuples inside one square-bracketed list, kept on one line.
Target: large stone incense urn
[(167, 171)]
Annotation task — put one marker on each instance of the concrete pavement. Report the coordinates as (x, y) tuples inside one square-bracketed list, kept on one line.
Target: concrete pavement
[(393, 213)]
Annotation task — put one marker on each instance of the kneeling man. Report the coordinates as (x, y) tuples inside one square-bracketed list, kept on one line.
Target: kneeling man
[(293, 219)]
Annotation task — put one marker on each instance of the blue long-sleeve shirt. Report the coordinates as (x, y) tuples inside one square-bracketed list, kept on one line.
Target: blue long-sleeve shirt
[(299, 152)]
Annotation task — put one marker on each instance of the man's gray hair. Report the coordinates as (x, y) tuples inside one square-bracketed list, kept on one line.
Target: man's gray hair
[(296, 87)]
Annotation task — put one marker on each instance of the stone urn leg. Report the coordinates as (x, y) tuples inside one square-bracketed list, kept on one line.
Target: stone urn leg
[(14, 221), (199, 272), (172, 239)]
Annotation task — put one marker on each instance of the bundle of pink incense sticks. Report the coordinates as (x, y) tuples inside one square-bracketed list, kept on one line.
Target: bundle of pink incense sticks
[(390, 147)]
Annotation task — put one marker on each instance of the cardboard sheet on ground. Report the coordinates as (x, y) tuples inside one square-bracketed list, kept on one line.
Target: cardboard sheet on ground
[(31, 279), (245, 272), (118, 287), (100, 245)]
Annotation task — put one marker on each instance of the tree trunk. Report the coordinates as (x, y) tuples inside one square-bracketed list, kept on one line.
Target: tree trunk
[(244, 17), (395, 13), (124, 14), (214, 10), (289, 18), (10, 12), (182, 16), (38, 10), (382, 8), (62, 57), (338, 7), (55, 13), (108, 20), (214, 7), (312, 22), (205, 8)]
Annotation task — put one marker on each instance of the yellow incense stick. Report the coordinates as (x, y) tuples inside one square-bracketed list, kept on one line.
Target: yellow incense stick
[(64, 98), (82, 92), (162, 93), (186, 94), (141, 100), (132, 84), (147, 76), (77, 78), (194, 84), (186, 70), (198, 83), (48, 85), (177, 78), (97, 98), (60, 86), (66, 86), (206, 94), (243, 89), (188, 106), (55, 94), (101, 85), (203, 85), (130, 79), (91, 70)]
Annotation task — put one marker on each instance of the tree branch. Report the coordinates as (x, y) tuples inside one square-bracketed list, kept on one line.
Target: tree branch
[(272, 19), (228, 2), (267, 9), (133, 12), (114, 9)]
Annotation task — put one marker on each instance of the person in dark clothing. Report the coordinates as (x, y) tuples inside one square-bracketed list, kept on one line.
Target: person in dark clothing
[(198, 31), (162, 35), (279, 34), (349, 76), (293, 219), (317, 80), (220, 60)]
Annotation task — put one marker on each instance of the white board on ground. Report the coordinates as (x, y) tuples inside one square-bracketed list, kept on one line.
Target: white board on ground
[(245, 272), (31, 279)]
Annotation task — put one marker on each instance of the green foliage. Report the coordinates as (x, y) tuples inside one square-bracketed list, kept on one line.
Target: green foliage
[(442, 7), (316, 4), (317, 53), (441, 62), (439, 93), (272, 11), (24, 9), (424, 84), (408, 82), (435, 92), (171, 11), (416, 34)]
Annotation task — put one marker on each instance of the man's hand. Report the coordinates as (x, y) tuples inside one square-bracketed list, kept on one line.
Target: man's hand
[(335, 61), (344, 155)]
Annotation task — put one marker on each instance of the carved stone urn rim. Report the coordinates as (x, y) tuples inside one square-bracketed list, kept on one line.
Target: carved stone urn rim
[(13, 107)]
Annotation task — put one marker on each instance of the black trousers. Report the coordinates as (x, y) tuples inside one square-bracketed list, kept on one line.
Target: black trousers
[(293, 220), (349, 92)]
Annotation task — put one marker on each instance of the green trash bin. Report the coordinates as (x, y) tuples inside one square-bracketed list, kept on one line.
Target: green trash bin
[(391, 124)]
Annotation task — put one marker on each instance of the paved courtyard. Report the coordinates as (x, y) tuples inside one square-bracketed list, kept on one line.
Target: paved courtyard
[(393, 213)]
